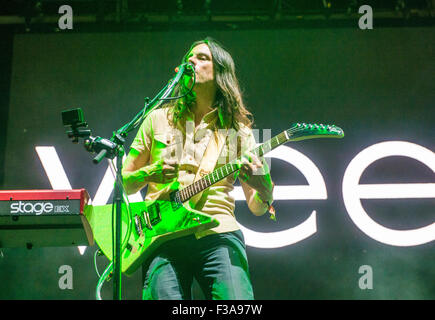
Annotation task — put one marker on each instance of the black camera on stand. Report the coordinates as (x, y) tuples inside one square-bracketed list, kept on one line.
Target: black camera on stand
[(104, 148), (74, 118)]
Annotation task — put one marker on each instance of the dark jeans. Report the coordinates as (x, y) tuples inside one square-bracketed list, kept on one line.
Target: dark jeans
[(218, 262)]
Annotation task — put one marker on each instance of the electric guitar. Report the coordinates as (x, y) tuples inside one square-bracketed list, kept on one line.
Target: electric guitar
[(146, 225)]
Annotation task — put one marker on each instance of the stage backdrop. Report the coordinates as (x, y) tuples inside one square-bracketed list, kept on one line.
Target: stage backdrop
[(355, 217)]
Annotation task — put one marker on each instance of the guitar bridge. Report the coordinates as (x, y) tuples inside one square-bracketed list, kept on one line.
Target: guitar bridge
[(138, 225)]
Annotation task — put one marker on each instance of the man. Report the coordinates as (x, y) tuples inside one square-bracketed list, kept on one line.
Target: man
[(170, 146)]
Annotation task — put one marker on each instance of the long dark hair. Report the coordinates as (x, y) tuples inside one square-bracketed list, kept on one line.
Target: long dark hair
[(231, 109)]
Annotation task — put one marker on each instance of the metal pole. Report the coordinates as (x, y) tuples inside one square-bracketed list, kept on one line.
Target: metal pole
[(118, 212)]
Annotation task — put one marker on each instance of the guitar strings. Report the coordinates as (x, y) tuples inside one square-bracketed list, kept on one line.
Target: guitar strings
[(209, 179)]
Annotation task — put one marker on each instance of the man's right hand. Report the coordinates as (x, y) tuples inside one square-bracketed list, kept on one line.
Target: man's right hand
[(163, 171)]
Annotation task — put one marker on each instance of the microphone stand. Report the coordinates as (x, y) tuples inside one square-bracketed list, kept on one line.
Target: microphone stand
[(115, 148)]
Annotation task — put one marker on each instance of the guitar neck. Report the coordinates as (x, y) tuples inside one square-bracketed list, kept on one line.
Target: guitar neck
[(227, 169)]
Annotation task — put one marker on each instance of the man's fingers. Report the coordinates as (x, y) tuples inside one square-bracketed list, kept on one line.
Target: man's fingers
[(254, 159), (257, 162), (167, 168), (251, 158), (167, 179), (172, 162), (247, 169), (170, 177)]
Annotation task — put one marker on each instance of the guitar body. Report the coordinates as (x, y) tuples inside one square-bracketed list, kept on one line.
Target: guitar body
[(145, 226)]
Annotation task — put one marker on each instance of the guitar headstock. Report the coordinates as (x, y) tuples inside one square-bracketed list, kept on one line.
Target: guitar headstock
[(301, 131)]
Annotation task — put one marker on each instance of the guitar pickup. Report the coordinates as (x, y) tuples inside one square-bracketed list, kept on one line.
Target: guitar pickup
[(151, 216), (175, 200)]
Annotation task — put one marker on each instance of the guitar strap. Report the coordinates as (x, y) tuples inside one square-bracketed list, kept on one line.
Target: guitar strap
[(209, 160)]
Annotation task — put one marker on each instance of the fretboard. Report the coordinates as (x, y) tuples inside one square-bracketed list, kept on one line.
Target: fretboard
[(227, 169)]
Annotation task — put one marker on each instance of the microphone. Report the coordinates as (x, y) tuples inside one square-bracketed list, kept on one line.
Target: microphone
[(189, 68)]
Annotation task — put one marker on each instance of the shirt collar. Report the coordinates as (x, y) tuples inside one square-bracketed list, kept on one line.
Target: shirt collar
[(209, 118)]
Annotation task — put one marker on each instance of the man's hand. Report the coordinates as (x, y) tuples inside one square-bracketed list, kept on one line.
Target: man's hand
[(163, 171), (256, 182), (250, 166)]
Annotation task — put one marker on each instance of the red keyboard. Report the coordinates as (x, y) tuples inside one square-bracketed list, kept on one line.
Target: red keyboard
[(37, 202), (38, 218)]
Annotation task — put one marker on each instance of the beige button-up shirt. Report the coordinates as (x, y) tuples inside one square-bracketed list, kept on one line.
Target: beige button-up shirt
[(187, 145)]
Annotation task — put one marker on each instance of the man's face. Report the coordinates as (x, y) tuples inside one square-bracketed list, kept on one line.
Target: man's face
[(200, 56)]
